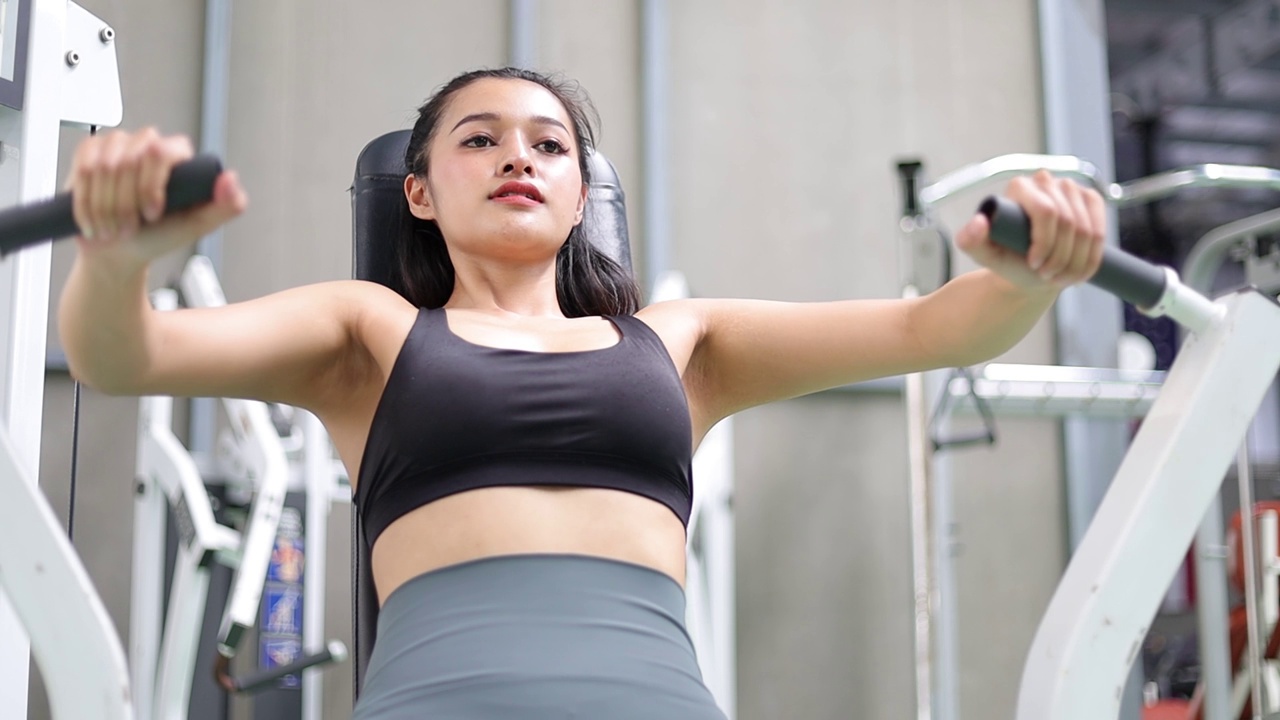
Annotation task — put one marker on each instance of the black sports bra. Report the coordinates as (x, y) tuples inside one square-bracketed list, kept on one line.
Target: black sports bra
[(457, 416)]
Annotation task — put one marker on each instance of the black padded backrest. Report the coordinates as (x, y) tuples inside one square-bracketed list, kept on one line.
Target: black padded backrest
[(377, 201)]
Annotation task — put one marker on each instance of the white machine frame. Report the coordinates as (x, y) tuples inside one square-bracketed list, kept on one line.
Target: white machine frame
[(253, 459), (37, 563), (163, 661), (1058, 667), (1079, 661)]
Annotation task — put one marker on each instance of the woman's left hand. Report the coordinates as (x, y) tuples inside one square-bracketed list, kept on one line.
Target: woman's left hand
[(1068, 232)]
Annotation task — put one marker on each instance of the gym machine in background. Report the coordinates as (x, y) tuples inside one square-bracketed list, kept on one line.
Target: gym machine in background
[(274, 477), (57, 68), (1215, 351)]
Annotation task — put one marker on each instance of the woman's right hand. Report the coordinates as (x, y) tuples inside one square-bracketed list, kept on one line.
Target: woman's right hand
[(118, 184)]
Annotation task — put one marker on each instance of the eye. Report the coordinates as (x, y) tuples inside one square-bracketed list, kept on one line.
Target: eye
[(476, 141), (552, 146)]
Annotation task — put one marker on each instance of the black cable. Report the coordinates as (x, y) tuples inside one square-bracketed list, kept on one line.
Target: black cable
[(75, 437), (75, 453)]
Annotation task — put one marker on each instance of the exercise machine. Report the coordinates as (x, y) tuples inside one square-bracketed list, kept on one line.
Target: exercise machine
[(57, 68), (1080, 659), (255, 473)]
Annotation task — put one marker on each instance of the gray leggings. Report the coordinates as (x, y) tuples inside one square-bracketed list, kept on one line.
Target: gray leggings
[(535, 637)]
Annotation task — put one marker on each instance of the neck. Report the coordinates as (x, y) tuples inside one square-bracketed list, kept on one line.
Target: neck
[(499, 288)]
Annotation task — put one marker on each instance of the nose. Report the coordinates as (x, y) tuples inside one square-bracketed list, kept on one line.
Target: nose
[(517, 160)]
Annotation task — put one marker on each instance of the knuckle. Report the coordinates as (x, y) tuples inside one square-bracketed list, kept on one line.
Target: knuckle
[(111, 162), (1042, 208)]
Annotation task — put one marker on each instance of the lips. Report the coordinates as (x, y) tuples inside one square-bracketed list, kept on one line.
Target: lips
[(517, 189)]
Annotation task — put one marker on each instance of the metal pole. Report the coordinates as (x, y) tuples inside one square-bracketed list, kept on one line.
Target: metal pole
[(654, 77), (920, 454), (28, 171), (319, 481), (1249, 537), (522, 43), (213, 139)]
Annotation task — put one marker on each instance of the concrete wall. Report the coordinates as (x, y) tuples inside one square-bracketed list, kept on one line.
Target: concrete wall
[(786, 121)]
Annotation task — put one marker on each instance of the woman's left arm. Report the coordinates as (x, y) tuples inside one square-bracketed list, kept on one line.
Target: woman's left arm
[(752, 352)]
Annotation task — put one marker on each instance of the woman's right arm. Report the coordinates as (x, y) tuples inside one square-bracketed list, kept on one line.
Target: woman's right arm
[(299, 346)]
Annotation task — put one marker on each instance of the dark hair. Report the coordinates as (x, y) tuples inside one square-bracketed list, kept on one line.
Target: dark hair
[(588, 282)]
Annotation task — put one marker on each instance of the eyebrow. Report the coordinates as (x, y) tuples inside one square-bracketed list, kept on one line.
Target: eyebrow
[(494, 117)]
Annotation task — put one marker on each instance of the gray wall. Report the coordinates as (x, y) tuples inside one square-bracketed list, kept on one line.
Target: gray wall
[(786, 120)]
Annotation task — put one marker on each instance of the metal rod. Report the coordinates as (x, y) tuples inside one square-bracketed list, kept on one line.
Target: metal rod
[(655, 84), (1135, 192), (1006, 166), (215, 101), (920, 452), (523, 39), (1211, 614), (1151, 188), (319, 494), (1248, 529), (1211, 250), (1054, 391)]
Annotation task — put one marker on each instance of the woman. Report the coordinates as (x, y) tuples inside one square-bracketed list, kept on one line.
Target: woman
[(519, 433)]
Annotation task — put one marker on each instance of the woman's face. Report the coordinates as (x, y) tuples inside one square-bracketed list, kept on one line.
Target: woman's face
[(502, 172)]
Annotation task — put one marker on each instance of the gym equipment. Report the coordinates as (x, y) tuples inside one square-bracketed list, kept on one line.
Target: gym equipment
[(257, 473), (1029, 388), (1096, 621), (41, 576), (72, 78)]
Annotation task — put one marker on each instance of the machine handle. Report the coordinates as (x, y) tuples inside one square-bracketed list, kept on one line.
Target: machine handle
[(190, 184), (1129, 278), (334, 652)]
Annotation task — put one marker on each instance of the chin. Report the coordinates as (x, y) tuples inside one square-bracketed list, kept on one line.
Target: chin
[(526, 243)]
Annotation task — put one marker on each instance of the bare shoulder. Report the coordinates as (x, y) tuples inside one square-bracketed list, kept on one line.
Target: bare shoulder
[(380, 318), (680, 324)]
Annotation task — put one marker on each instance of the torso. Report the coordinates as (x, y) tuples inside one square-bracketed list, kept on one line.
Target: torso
[(511, 520)]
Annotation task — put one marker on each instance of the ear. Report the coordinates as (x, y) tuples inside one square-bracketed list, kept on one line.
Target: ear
[(419, 197), (582, 204)]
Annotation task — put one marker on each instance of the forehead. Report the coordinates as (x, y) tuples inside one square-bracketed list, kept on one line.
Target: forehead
[(510, 98)]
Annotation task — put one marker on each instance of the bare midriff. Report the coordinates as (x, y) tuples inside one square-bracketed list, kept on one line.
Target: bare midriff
[(513, 520)]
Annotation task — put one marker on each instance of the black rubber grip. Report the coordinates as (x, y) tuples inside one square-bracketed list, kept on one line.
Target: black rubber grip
[(1129, 278), (190, 185), (259, 680)]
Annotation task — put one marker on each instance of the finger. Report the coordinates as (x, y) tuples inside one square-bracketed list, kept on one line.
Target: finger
[(1082, 245), (1064, 239), (157, 165), (81, 187), (149, 154), (1030, 194), (128, 208), (229, 200), (105, 179), (973, 237), (1098, 240)]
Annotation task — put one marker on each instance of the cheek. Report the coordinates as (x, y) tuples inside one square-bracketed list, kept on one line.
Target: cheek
[(568, 189)]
